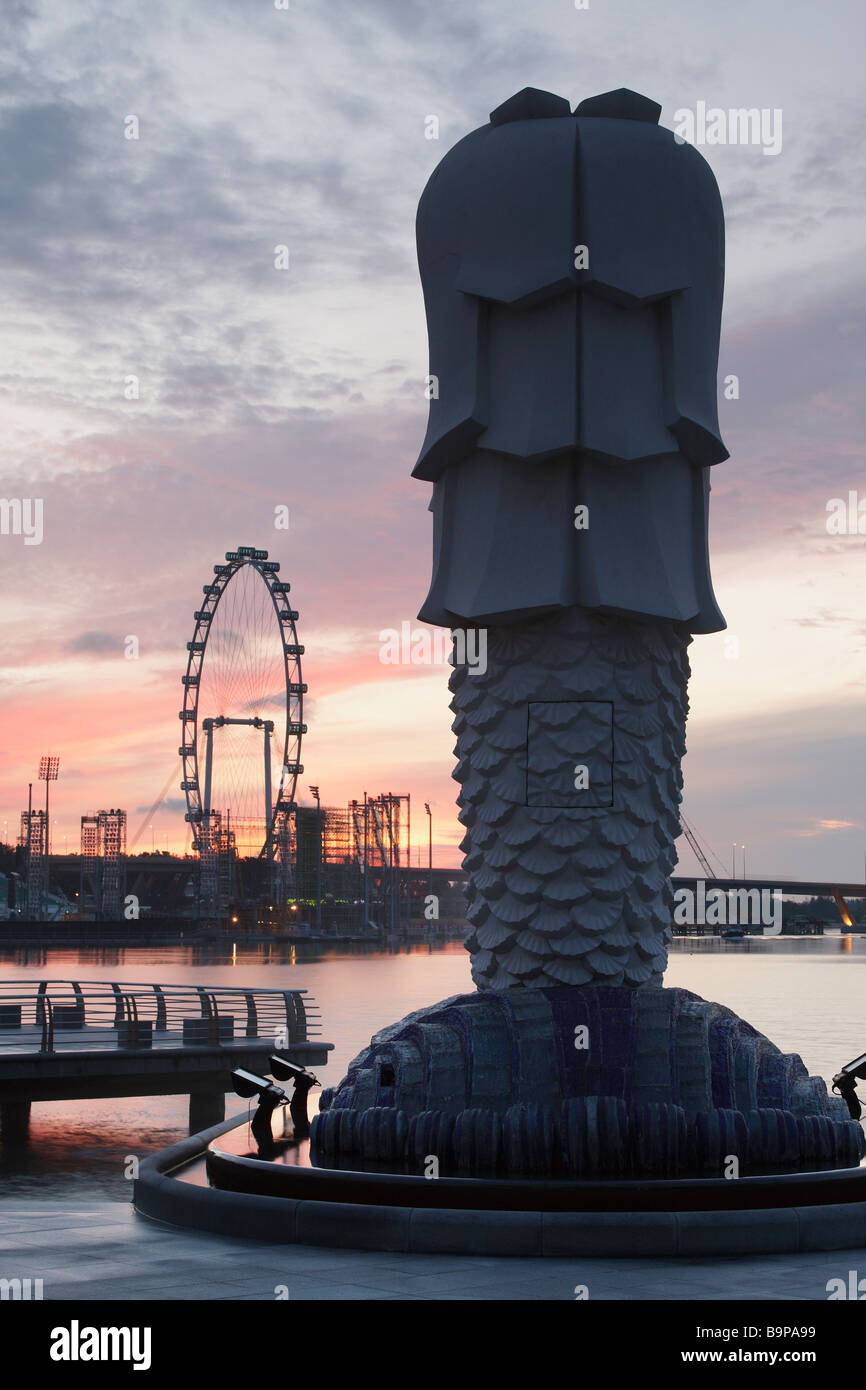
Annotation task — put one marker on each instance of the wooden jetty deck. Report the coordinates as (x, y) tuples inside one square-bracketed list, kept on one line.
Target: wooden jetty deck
[(68, 1039)]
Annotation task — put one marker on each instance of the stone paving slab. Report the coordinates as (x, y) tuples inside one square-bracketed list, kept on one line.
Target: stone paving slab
[(103, 1250)]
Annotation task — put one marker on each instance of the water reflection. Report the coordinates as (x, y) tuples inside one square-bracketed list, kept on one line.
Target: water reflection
[(215, 953), (805, 993), (835, 944)]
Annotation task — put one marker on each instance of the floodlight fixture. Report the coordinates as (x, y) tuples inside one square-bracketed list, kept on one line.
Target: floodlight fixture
[(846, 1085), (284, 1070), (249, 1084)]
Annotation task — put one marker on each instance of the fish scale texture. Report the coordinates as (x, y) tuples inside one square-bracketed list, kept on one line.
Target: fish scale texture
[(570, 885)]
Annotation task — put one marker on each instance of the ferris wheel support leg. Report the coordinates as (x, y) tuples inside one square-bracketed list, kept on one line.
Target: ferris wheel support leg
[(208, 765), (268, 795)]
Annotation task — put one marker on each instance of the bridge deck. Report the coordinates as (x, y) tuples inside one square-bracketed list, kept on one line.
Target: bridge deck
[(788, 887)]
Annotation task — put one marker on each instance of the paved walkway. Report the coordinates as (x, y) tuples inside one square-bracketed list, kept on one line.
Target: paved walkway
[(103, 1250)]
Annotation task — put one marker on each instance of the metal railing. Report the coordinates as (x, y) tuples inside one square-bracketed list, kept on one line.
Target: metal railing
[(80, 1015)]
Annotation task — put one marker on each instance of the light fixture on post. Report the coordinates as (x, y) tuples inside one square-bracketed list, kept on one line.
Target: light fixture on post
[(49, 768), (304, 1080), (429, 847), (249, 1084), (315, 792)]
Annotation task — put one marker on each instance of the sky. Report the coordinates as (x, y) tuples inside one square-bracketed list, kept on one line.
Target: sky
[(166, 389)]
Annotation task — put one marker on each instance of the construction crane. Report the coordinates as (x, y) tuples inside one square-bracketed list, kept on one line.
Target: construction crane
[(695, 845), (154, 808)]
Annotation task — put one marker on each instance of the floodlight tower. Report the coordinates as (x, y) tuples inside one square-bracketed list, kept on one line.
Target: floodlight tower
[(429, 846), (315, 792), (49, 768)]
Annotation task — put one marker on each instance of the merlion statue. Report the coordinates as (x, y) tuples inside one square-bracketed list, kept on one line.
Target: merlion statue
[(572, 269)]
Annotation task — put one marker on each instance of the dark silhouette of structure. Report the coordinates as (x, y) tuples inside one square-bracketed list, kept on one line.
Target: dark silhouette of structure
[(573, 269)]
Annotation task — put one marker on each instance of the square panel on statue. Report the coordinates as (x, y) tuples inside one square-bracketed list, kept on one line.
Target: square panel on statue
[(569, 760)]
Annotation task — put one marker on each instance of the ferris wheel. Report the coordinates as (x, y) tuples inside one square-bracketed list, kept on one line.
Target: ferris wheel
[(243, 708)]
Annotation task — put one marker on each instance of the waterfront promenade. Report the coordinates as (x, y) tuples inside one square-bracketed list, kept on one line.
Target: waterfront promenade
[(68, 1040), (91, 1250)]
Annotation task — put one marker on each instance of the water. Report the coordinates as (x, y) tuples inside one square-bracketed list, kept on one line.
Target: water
[(806, 994)]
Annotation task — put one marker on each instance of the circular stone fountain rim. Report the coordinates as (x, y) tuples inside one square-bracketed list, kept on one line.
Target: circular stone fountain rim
[(161, 1196), (764, 1191)]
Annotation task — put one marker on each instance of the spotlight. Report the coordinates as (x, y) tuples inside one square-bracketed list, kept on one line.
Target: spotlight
[(285, 1070), (846, 1084), (249, 1084), (304, 1080)]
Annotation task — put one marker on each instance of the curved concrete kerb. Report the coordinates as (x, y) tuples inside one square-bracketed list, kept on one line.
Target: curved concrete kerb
[(161, 1195)]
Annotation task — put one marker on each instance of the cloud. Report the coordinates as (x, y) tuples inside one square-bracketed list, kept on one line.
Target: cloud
[(169, 803), (153, 260), (97, 643), (825, 617)]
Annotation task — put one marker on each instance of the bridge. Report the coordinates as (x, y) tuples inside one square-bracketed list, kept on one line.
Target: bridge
[(76, 1040), (788, 887), (838, 890)]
